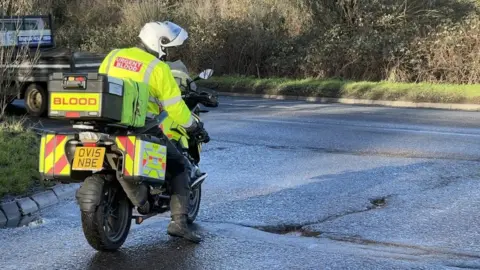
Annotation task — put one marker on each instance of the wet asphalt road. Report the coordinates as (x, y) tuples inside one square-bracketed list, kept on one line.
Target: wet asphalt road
[(297, 185)]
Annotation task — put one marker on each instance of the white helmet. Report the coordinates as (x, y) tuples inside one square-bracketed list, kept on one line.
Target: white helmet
[(157, 36)]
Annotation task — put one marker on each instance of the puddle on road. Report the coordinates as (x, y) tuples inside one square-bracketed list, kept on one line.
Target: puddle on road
[(30, 221)]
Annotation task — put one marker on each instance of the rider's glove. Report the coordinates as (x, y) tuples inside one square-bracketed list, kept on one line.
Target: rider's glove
[(198, 132)]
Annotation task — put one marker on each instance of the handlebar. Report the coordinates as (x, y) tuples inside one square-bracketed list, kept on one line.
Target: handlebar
[(193, 97)]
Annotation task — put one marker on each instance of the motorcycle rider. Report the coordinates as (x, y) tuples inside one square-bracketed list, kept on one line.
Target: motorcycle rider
[(144, 64)]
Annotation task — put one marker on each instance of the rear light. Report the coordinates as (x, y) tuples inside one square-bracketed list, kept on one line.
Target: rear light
[(78, 79), (89, 144), (72, 114)]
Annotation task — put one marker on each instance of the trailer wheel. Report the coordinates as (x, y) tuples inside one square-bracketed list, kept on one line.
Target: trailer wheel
[(36, 100)]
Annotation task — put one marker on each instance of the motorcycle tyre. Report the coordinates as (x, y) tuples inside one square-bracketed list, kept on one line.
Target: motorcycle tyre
[(93, 222), (194, 206)]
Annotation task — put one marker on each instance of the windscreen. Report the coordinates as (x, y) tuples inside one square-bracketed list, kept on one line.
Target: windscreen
[(29, 31)]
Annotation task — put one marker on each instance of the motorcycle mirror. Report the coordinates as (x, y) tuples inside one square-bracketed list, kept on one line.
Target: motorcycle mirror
[(207, 73)]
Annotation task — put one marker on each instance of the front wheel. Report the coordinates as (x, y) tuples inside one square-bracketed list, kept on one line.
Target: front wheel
[(194, 203), (107, 228)]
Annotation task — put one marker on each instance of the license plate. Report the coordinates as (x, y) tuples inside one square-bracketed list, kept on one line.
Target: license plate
[(88, 158)]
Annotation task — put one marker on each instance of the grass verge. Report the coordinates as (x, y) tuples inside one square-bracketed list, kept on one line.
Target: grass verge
[(18, 159), (336, 88)]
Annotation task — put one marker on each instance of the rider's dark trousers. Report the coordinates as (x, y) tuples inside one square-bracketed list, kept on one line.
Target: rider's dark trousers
[(177, 169), (179, 180)]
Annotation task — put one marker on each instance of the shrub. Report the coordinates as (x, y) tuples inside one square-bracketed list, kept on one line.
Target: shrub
[(18, 158), (400, 41)]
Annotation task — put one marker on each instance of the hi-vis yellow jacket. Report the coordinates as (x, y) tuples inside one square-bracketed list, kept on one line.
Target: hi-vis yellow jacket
[(143, 67)]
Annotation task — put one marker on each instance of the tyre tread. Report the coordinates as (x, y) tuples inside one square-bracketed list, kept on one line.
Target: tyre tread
[(191, 220), (93, 230)]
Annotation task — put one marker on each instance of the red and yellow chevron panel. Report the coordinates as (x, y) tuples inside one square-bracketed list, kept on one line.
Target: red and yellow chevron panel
[(127, 145), (142, 158), (52, 160), (41, 156), (151, 160)]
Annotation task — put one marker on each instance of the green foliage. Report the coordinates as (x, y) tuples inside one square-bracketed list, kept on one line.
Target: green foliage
[(336, 88), (18, 158), (397, 41)]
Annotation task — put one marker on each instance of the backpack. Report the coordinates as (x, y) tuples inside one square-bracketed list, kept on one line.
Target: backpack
[(135, 103)]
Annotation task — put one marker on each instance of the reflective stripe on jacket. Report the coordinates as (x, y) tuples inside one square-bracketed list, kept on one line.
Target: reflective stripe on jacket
[(143, 67)]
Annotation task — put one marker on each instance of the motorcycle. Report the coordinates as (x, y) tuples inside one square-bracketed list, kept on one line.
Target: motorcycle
[(119, 167)]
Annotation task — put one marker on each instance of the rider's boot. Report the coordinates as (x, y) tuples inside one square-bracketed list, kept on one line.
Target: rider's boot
[(178, 225)]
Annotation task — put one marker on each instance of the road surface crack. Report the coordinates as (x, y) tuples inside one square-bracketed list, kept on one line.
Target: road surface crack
[(220, 148), (299, 228), (462, 266), (424, 250)]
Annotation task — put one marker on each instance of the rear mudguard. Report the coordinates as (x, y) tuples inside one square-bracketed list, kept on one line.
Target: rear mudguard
[(89, 195)]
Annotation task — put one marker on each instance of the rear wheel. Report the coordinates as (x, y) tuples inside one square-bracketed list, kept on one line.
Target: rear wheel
[(194, 203), (107, 228)]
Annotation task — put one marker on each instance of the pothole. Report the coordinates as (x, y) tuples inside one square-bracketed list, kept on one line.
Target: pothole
[(379, 202), (300, 229), (296, 230)]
